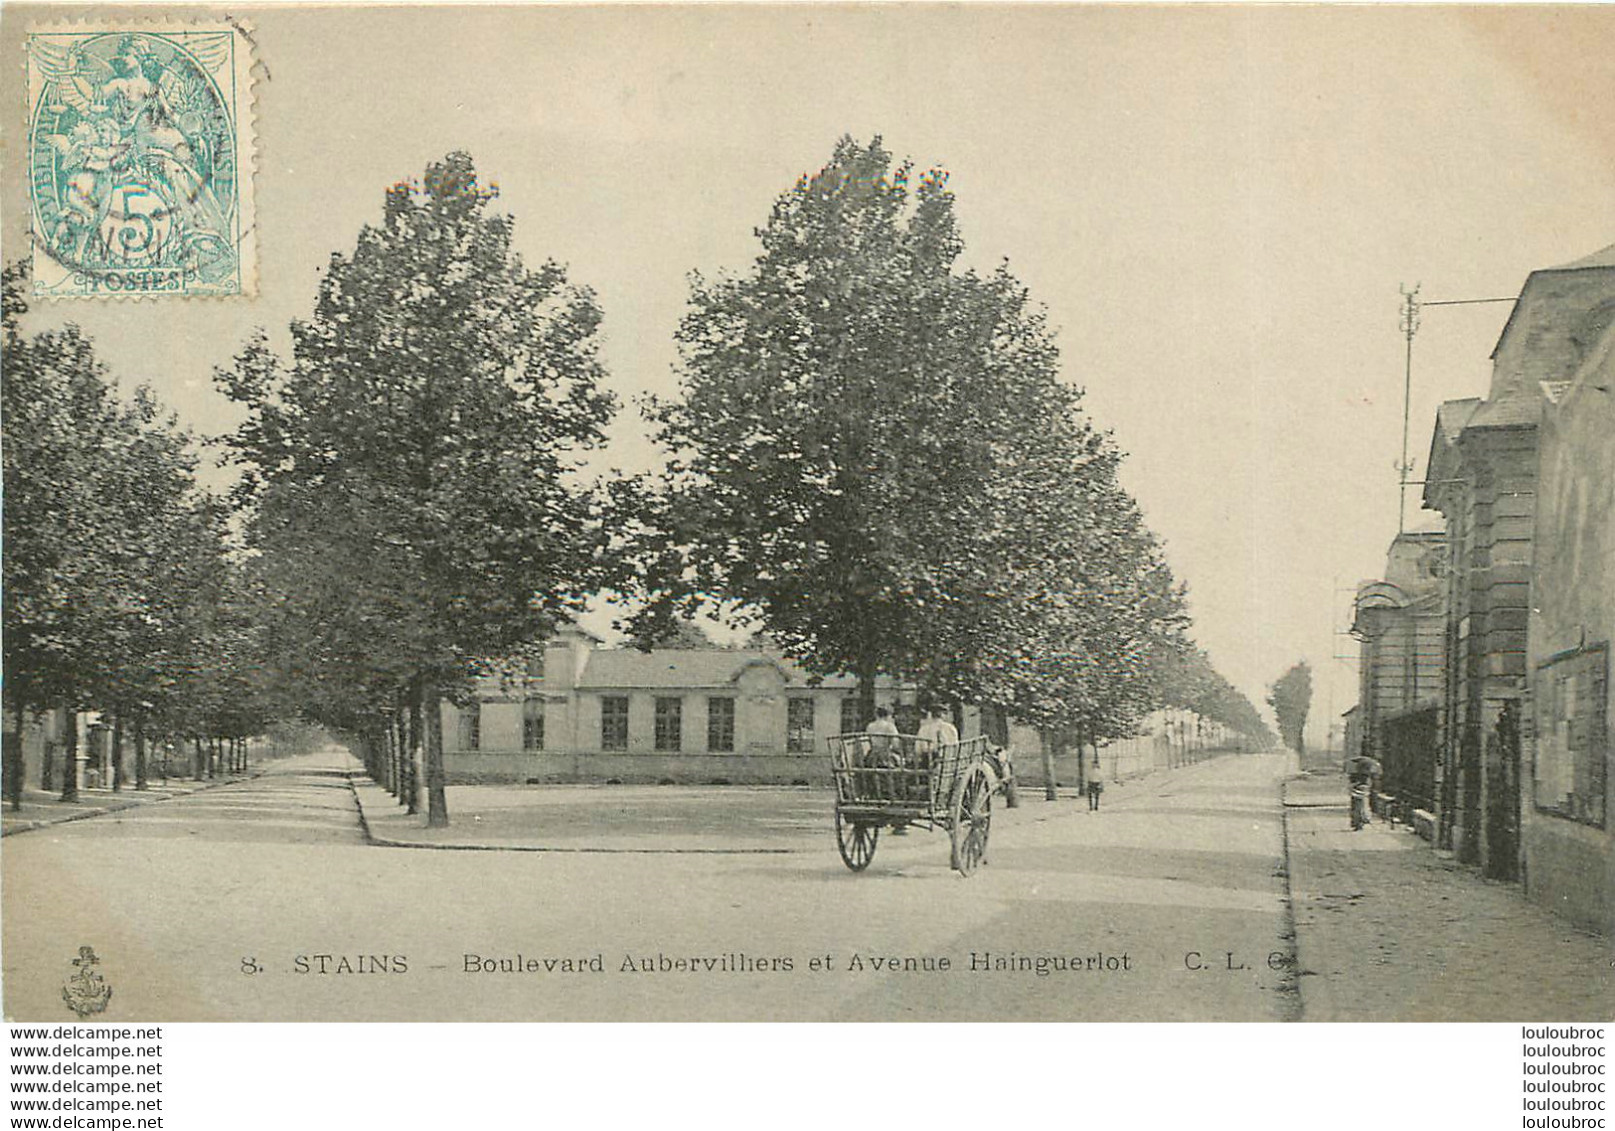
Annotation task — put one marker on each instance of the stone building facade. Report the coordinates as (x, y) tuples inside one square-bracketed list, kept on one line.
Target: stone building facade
[(1401, 622), (1569, 840), (692, 716), (1482, 477)]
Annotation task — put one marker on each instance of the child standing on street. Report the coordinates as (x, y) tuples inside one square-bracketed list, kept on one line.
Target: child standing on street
[(1096, 786)]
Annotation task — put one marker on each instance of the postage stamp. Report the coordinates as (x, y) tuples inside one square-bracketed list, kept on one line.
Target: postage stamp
[(140, 160)]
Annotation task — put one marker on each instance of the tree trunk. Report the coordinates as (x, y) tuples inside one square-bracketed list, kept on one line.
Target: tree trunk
[(1076, 735), (70, 758), (995, 724), (140, 752), (117, 752), (1045, 744), (13, 757), (412, 767), (866, 692), (47, 766), (437, 802), (390, 748), (383, 754), (199, 759), (400, 739)]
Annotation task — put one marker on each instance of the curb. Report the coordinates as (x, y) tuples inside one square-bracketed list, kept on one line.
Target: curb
[(364, 822), (387, 842), (383, 842), (1290, 986)]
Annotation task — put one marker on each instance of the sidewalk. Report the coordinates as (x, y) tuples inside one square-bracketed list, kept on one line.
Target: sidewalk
[(41, 808), (1390, 929)]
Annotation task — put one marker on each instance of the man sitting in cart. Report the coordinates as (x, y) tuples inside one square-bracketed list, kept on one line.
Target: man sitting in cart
[(886, 753), (936, 731), (883, 747)]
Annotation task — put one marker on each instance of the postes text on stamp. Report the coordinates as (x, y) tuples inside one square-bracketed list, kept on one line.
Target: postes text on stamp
[(140, 153)]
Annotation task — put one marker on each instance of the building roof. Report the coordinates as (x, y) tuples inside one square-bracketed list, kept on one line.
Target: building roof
[(1453, 416), (1544, 320), (1605, 258), (693, 668), (1507, 412)]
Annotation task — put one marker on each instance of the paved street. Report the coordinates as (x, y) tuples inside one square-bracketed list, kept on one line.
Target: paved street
[(1168, 904)]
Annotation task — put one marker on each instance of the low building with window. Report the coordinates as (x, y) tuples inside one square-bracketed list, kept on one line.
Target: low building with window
[(696, 716)]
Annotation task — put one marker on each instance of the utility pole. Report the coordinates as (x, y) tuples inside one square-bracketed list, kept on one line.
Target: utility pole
[(1410, 326), (1411, 306)]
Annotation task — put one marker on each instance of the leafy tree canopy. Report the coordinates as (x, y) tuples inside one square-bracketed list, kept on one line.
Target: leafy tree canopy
[(411, 470), (874, 449), (1291, 698)]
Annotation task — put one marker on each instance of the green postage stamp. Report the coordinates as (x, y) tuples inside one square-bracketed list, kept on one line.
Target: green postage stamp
[(140, 160)]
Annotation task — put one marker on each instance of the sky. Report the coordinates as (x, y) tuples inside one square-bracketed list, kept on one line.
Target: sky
[(1217, 206)]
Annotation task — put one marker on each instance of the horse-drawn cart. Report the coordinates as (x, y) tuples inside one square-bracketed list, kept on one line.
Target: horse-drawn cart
[(894, 781)]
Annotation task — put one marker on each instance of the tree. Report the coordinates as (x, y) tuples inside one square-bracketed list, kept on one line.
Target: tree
[(410, 469), (1291, 698), (56, 410), (112, 550), (679, 634), (874, 450), (1189, 681)]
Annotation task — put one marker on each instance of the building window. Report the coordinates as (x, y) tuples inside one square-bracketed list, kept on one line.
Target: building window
[(720, 724), (614, 722), (470, 735), (1573, 734), (669, 723), (799, 725), (852, 719), (533, 724)]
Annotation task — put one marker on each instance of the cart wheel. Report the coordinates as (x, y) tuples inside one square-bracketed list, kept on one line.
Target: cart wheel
[(857, 842), (972, 817)]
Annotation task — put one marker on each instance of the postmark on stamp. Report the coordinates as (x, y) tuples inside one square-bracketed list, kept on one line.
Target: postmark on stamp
[(140, 160)]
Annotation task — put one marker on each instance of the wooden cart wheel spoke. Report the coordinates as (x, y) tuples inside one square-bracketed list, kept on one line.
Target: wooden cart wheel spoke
[(971, 820), (856, 842)]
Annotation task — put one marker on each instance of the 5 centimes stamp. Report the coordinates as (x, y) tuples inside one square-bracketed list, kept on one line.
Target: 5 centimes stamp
[(140, 160)]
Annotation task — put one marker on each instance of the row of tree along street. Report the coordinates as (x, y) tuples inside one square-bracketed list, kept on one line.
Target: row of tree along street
[(119, 592), (870, 450)]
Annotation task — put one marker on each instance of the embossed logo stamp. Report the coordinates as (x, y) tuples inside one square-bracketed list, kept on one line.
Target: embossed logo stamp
[(140, 154), (86, 992)]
